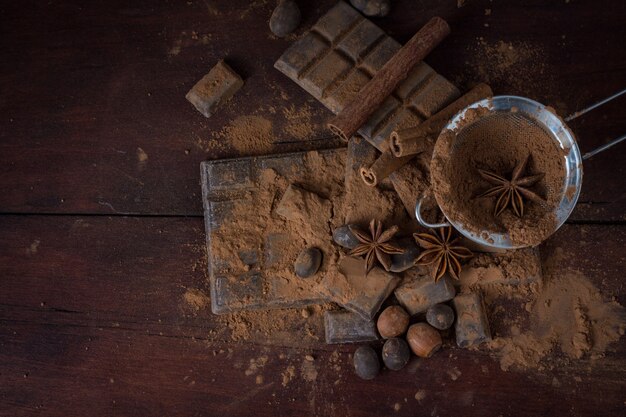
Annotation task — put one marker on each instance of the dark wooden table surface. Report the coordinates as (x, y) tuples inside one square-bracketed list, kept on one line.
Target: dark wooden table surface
[(101, 228)]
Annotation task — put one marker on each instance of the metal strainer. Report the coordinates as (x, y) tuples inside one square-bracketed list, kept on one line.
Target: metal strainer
[(522, 113)]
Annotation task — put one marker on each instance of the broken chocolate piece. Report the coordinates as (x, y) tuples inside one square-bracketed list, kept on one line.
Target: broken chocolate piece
[(422, 292), (354, 290), (342, 326), (472, 327), (214, 89)]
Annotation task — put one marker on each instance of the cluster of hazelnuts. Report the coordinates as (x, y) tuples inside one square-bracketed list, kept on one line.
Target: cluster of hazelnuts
[(423, 339)]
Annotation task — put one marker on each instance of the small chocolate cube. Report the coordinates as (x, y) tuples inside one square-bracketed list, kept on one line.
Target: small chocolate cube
[(342, 326), (472, 327), (422, 292), (215, 88)]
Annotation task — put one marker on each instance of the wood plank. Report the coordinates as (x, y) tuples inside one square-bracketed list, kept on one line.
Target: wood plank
[(86, 86), (115, 336)]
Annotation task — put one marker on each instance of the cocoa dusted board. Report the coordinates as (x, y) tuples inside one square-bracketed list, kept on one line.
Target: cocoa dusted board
[(342, 52), (229, 180)]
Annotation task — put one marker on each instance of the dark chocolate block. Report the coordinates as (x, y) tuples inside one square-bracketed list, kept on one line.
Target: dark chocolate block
[(472, 326), (227, 181), (354, 290), (342, 326), (342, 52)]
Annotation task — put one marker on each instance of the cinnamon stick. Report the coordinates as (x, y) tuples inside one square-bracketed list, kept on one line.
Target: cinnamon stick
[(416, 139), (372, 95), (386, 164)]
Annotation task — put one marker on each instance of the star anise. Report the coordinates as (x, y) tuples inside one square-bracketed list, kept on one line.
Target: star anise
[(511, 192), (443, 252), (376, 245)]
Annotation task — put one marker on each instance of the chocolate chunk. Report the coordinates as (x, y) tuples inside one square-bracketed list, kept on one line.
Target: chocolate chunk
[(344, 237), (354, 290), (308, 262), (366, 363), (396, 353), (472, 327), (285, 18), (422, 292), (377, 8), (342, 326), (215, 88), (403, 261), (440, 316)]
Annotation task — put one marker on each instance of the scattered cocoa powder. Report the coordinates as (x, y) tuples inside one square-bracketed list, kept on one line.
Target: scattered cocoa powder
[(497, 143), (299, 125), (248, 135), (568, 316), (196, 299), (516, 65)]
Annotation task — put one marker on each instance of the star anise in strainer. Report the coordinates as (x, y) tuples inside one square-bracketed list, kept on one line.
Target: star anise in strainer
[(442, 251), (376, 245), (512, 192)]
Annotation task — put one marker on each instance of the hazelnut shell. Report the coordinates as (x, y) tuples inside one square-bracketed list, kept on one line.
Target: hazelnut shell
[(392, 322), (423, 339)]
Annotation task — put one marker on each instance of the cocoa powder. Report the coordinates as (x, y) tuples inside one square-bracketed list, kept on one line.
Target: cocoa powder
[(496, 143)]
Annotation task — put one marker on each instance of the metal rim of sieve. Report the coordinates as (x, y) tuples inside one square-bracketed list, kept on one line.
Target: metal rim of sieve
[(556, 128)]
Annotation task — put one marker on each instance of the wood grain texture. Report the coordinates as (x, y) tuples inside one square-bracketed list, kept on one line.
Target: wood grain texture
[(86, 85), (94, 322), (93, 315)]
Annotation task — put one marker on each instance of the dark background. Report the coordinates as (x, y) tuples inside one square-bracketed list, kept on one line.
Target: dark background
[(98, 244)]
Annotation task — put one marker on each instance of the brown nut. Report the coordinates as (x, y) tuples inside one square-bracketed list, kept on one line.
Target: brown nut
[(423, 339), (392, 322)]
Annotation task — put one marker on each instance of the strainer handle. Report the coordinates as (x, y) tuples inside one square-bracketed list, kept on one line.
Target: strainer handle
[(422, 221)]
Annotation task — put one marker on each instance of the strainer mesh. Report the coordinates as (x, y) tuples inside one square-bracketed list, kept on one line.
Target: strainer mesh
[(504, 125)]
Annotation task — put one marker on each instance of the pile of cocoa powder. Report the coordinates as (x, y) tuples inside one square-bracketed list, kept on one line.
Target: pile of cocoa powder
[(497, 143)]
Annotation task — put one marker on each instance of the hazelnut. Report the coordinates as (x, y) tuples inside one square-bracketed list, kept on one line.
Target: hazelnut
[(423, 339), (392, 322)]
